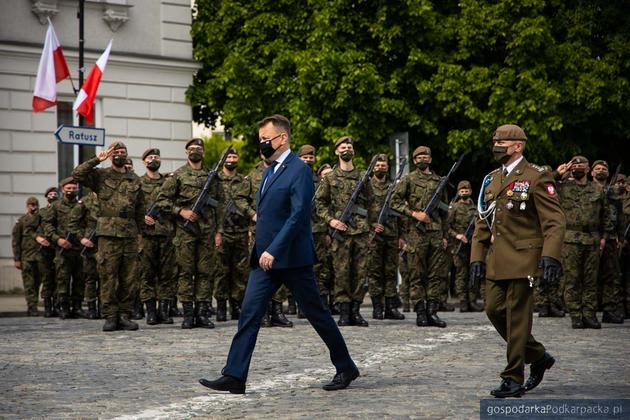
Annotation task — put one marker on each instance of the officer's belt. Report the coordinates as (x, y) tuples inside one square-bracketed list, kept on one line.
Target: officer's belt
[(110, 213), (583, 229)]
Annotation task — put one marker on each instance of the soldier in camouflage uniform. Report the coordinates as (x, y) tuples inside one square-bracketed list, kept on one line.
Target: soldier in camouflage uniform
[(588, 228), (25, 255), (233, 255), (427, 258), (382, 266), (68, 263), (47, 254), (157, 267), (195, 243), (609, 279), (274, 316), (349, 252), (120, 218), (460, 215), (82, 224), (625, 253)]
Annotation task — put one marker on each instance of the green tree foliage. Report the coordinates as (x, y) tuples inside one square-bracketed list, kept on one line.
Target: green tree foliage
[(215, 145), (447, 71)]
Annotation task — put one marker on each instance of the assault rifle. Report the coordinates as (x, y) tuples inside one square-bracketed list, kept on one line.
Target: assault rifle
[(203, 199), (434, 203), (612, 181), (155, 213), (468, 234), (231, 212), (72, 238), (92, 238), (351, 207), (386, 212)]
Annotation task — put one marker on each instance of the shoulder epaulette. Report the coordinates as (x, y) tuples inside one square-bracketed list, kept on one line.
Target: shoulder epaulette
[(537, 168)]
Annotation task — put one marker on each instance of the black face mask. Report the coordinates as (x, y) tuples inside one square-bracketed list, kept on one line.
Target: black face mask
[(51, 199), (71, 195), (578, 173), (422, 165), (230, 166), (33, 210), (266, 149), (195, 157), (309, 162), (346, 155), (154, 165), (119, 161), (500, 154), (464, 196), (601, 176), (380, 173)]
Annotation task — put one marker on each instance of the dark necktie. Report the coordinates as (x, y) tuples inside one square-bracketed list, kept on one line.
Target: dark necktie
[(269, 174), (504, 174)]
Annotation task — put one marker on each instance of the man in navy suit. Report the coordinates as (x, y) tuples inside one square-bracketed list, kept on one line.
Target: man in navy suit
[(284, 253)]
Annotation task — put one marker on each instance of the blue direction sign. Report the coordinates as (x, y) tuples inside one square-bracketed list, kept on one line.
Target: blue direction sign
[(86, 136)]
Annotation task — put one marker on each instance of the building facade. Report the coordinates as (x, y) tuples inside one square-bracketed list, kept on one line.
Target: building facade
[(141, 97)]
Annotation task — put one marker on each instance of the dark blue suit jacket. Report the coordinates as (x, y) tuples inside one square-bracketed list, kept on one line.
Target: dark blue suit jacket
[(283, 216)]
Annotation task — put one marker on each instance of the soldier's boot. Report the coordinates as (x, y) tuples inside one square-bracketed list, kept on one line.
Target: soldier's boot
[(91, 312), (377, 307), (266, 319), (64, 308), (576, 322), (32, 310), (277, 317), (189, 315), (344, 314), (135, 311), (543, 311), (48, 307), (355, 316), (125, 324), (612, 318), (77, 309), (432, 316), (174, 309), (391, 309), (475, 307), (591, 322), (324, 299), (221, 310), (445, 307), (152, 318), (56, 306), (335, 307), (163, 312), (211, 310), (235, 310), (421, 314), (201, 315), (292, 308), (555, 312), (464, 306), (111, 324), (406, 305)]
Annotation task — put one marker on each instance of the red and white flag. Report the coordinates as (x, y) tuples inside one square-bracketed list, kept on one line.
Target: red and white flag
[(84, 104), (52, 70)]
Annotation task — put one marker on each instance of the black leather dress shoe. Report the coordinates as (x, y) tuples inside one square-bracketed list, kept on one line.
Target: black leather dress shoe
[(537, 371), (508, 388), (341, 380), (225, 383)]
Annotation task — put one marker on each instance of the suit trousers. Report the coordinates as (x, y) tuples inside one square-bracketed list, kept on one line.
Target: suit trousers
[(510, 308), (261, 285)]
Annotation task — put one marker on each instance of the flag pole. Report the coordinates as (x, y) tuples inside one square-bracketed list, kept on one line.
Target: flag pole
[(81, 16)]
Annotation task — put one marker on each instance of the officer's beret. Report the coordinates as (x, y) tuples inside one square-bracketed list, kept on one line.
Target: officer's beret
[(509, 132), (68, 180), (307, 149), (118, 145), (579, 159), (463, 184), (342, 140), (323, 168), (32, 200), (600, 162), (194, 142), (152, 151), (49, 190), (421, 150)]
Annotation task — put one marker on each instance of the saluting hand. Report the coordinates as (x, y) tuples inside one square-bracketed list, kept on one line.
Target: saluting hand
[(105, 154)]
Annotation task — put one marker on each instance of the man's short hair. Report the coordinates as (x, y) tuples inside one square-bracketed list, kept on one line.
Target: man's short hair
[(278, 121)]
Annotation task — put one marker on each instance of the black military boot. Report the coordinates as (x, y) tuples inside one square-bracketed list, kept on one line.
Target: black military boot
[(475, 307), (211, 310), (48, 307), (377, 307), (543, 311), (64, 308), (591, 322), (421, 314), (432, 316), (266, 319), (152, 318), (464, 306), (291, 309), (277, 317), (235, 310), (391, 309), (174, 309), (124, 323), (344, 314), (201, 315), (111, 324), (325, 302), (576, 323), (446, 307), (221, 310), (56, 306), (164, 312), (77, 309), (137, 311), (612, 318), (189, 315), (335, 308), (555, 312), (355, 316), (91, 312)]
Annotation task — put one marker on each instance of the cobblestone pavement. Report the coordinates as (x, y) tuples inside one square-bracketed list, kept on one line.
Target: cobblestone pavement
[(70, 369)]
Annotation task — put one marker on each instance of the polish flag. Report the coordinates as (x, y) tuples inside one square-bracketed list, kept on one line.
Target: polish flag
[(84, 103), (52, 70)]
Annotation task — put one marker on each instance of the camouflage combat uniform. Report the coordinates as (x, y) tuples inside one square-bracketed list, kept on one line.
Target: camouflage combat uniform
[(47, 255), (460, 214), (25, 250)]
